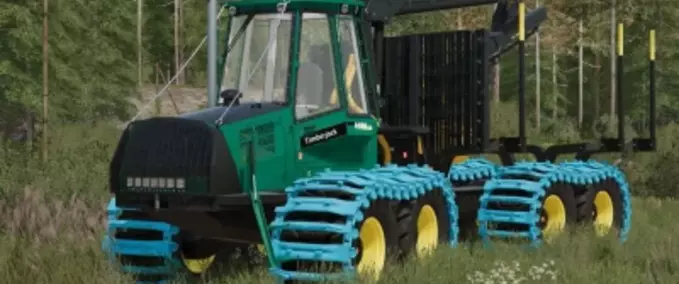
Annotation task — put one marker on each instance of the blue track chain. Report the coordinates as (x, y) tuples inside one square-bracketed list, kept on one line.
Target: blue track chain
[(163, 248), (577, 173), (472, 169), (389, 182)]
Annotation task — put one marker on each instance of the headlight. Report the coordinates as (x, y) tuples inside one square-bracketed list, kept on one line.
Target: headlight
[(154, 182)]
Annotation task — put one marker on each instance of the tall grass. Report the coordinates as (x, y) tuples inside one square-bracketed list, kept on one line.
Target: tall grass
[(649, 256), (52, 220)]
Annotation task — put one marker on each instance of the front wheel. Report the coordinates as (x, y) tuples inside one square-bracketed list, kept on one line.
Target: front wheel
[(202, 256), (199, 255), (378, 239)]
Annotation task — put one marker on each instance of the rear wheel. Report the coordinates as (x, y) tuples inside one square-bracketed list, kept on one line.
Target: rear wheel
[(559, 210), (426, 224), (433, 222), (605, 201)]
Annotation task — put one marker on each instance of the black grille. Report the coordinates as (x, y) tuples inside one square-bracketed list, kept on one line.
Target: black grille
[(173, 148), (168, 148)]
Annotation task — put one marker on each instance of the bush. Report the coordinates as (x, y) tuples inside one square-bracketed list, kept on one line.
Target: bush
[(77, 164), (656, 173)]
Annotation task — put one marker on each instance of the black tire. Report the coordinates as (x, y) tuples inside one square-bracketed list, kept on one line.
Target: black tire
[(407, 236), (437, 202), (584, 205), (382, 210), (612, 188), (566, 195)]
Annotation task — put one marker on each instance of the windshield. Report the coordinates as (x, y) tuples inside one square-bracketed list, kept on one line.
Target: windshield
[(257, 64)]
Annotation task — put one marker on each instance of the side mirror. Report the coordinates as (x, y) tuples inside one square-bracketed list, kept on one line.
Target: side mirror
[(229, 95)]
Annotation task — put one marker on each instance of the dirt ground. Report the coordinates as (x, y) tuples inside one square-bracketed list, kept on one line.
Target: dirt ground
[(176, 99)]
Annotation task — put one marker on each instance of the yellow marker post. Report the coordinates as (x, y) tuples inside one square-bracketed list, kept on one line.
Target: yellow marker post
[(620, 91), (651, 89), (522, 21), (522, 75), (621, 38), (651, 45)]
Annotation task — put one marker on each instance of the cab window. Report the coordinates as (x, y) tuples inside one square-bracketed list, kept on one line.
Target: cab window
[(316, 84), (353, 75)]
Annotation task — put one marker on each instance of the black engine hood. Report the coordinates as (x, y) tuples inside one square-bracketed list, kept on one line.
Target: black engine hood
[(171, 148), (236, 113)]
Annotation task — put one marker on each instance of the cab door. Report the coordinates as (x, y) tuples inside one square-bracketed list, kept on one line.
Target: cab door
[(320, 118)]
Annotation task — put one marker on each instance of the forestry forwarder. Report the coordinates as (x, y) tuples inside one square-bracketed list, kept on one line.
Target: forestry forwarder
[(288, 158)]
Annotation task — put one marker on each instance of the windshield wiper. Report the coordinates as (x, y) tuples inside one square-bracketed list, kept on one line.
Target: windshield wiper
[(240, 32), (235, 39)]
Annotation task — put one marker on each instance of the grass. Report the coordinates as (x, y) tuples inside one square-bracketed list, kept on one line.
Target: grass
[(64, 247), (53, 219)]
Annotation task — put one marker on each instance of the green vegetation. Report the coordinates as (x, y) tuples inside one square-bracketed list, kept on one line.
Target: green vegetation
[(53, 213), (53, 220)]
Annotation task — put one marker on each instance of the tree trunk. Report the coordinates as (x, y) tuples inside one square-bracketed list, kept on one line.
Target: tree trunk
[(45, 78), (613, 67), (496, 82), (555, 89), (537, 78), (182, 76), (177, 63), (140, 71), (30, 129), (595, 86), (580, 72)]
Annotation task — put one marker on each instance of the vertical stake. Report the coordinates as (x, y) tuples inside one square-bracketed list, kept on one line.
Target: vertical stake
[(522, 77), (651, 57), (619, 76), (140, 71), (45, 78)]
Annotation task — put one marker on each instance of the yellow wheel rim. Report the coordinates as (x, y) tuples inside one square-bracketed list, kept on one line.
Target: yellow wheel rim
[(198, 266), (603, 204), (555, 216), (427, 231), (373, 248), (460, 159)]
